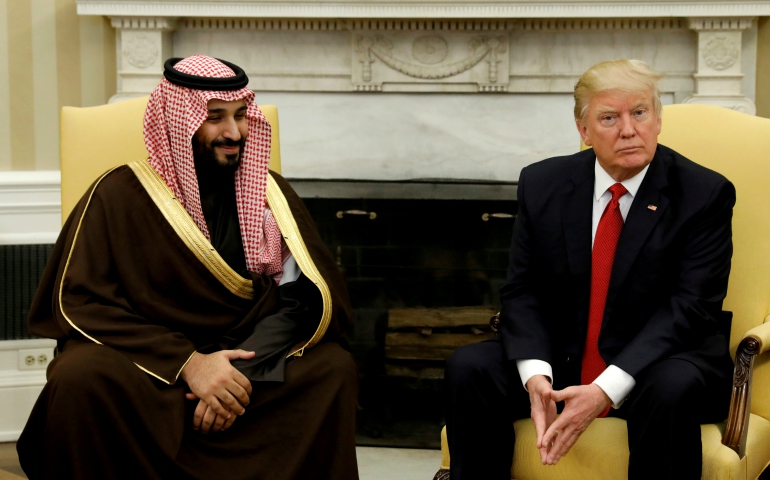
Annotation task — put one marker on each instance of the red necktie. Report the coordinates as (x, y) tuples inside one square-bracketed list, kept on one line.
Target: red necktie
[(605, 243)]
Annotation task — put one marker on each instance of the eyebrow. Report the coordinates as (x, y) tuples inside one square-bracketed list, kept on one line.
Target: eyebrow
[(224, 110), (605, 110)]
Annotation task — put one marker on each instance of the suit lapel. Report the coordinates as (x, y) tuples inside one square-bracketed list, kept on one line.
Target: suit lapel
[(639, 223), (576, 219)]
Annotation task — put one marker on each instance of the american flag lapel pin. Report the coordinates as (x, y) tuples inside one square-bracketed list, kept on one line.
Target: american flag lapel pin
[(652, 207)]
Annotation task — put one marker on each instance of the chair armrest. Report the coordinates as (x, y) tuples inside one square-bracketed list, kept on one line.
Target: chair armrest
[(443, 473), (761, 334), (755, 342)]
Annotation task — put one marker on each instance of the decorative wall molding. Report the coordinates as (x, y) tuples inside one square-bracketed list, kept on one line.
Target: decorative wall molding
[(719, 77), (438, 9), (600, 24), (425, 56), (727, 23), (143, 44), (143, 23), (388, 70), (30, 207), (721, 52), (430, 25), (140, 50), (262, 24), (739, 103), (548, 24)]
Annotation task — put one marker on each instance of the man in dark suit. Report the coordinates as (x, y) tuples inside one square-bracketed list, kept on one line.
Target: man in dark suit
[(618, 269)]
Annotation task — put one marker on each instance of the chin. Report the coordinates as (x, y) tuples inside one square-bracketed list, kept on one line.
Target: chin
[(229, 161), (636, 163), (643, 161)]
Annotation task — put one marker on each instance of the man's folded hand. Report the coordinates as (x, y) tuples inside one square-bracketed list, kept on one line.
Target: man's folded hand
[(217, 383), (582, 404), (543, 410)]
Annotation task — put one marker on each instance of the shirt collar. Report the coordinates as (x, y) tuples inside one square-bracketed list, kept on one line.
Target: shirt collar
[(603, 181)]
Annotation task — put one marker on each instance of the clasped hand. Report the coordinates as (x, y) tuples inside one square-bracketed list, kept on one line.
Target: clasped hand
[(223, 391), (556, 436)]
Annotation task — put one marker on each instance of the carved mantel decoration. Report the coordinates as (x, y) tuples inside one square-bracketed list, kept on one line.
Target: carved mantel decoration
[(442, 53)]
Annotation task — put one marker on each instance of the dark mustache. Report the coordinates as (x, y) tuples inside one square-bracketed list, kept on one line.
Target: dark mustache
[(228, 143)]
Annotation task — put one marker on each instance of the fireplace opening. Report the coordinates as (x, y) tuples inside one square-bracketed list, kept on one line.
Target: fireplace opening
[(423, 271)]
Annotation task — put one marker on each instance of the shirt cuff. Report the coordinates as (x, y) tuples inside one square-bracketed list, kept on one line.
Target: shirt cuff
[(530, 367), (616, 383)]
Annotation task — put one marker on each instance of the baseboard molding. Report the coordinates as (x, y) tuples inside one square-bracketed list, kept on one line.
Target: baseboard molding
[(10, 436), (20, 386), (30, 207)]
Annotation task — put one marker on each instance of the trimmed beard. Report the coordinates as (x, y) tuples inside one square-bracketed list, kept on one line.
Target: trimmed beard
[(205, 153)]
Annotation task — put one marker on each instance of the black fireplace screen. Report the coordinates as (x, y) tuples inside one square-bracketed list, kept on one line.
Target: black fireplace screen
[(423, 277)]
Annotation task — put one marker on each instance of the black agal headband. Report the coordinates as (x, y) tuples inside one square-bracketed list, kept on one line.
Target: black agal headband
[(176, 77)]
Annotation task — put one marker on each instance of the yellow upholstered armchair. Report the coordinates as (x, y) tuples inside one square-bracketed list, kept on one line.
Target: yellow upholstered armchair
[(95, 139), (737, 146)]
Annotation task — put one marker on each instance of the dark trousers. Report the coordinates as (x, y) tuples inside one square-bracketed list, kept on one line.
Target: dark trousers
[(664, 413)]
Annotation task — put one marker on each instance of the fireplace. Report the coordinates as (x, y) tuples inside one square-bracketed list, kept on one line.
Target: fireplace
[(423, 262)]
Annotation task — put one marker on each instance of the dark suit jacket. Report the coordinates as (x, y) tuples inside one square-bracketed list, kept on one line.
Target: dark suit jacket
[(668, 280)]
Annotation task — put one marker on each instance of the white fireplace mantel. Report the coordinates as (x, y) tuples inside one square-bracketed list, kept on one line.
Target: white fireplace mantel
[(424, 9), (424, 89)]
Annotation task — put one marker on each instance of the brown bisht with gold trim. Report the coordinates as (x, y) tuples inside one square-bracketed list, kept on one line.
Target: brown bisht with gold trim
[(132, 289)]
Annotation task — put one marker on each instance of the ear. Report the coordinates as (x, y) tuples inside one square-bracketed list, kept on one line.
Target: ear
[(583, 131), (659, 125)]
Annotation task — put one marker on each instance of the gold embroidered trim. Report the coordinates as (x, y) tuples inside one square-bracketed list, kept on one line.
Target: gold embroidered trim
[(184, 365), (69, 257), (189, 232), (64, 275), (293, 238)]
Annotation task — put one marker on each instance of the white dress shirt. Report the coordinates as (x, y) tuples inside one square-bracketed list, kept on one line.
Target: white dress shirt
[(616, 383)]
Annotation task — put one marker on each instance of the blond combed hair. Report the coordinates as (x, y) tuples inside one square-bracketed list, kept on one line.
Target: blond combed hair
[(630, 76)]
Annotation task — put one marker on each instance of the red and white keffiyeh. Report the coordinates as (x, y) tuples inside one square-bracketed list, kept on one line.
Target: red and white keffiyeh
[(174, 113)]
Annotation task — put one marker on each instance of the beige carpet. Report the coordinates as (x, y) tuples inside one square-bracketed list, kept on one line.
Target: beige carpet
[(9, 462)]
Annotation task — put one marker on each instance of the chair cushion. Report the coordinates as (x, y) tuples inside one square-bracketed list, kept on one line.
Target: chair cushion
[(757, 446), (590, 457)]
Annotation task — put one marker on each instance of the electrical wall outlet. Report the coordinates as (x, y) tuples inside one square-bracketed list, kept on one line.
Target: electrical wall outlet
[(35, 358)]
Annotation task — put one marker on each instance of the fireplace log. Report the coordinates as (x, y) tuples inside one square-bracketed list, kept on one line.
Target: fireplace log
[(439, 317), (419, 340)]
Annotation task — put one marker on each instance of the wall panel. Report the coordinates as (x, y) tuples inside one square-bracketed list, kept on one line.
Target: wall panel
[(49, 57), (45, 97), (22, 103), (5, 91)]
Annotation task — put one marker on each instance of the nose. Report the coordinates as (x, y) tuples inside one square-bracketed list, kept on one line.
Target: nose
[(626, 126), (230, 130)]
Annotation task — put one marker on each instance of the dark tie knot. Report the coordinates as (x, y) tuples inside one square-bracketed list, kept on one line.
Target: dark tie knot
[(617, 191)]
